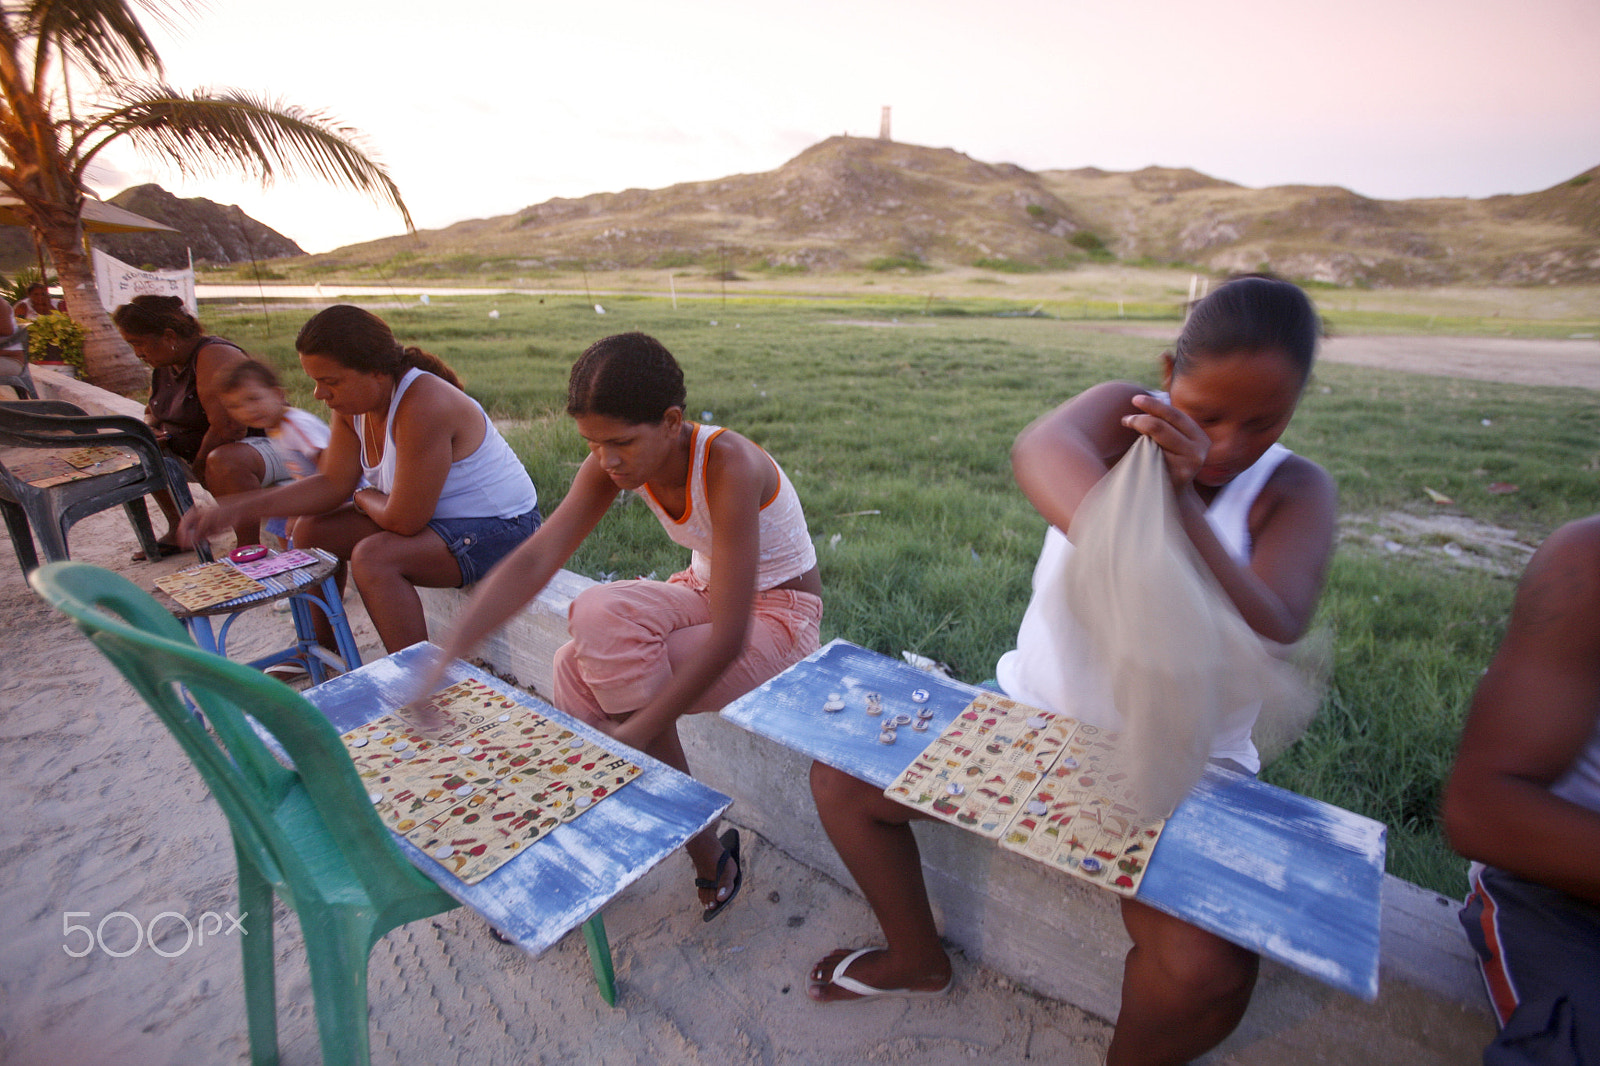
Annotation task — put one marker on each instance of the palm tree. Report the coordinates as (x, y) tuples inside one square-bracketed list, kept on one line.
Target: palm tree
[(49, 142)]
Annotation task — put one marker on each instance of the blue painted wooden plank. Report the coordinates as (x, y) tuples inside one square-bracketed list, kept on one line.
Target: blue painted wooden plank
[(788, 710), (1293, 878), (1290, 877), (569, 874)]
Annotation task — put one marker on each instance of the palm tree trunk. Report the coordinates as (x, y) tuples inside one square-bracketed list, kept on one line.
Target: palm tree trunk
[(107, 360)]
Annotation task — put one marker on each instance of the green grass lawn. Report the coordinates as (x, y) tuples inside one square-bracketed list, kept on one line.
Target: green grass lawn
[(896, 426)]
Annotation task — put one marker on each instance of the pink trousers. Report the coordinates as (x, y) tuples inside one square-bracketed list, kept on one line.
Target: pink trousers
[(629, 636)]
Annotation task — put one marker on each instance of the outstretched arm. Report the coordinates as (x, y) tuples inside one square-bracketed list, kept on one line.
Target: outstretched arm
[(1534, 712), (520, 576), (338, 473)]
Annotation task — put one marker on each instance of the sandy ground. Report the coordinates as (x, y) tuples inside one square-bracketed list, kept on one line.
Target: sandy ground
[(1520, 361), (108, 818)]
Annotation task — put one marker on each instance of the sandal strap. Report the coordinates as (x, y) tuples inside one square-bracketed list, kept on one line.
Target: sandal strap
[(722, 864)]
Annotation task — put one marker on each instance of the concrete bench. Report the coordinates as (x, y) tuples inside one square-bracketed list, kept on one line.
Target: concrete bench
[(1052, 934)]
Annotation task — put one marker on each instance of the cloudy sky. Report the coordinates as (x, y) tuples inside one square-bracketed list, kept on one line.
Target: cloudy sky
[(488, 106)]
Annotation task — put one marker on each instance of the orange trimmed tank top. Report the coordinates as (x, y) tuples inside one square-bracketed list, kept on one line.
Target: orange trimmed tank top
[(786, 548)]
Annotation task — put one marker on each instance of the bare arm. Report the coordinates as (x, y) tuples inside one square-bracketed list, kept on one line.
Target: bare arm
[(435, 425), (1277, 592), (1533, 714), (520, 576), (1062, 455)]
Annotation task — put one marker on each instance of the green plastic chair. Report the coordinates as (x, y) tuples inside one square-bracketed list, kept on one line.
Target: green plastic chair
[(310, 833)]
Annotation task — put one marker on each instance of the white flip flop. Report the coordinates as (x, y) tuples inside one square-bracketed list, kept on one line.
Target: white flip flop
[(866, 991)]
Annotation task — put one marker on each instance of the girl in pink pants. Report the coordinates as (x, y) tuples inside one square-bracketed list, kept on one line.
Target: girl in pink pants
[(644, 653)]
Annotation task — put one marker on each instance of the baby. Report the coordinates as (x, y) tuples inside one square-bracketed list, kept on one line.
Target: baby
[(294, 438)]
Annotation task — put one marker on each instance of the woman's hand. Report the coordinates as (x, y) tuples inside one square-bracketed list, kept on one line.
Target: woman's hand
[(201, 523), (1182, 441), (418, 707)]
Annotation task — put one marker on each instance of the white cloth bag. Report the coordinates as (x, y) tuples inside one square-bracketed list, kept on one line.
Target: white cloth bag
[(1174, 650)]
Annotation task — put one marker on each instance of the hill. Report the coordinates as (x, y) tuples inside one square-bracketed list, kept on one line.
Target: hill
[(1330, 234), (853, 203), (216, 233)]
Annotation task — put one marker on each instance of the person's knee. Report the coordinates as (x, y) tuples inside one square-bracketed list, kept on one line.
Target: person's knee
[(233, 468), (836, 791), (564, 672), (597, 610), (311, 531), (1203, 968), (374, 558)]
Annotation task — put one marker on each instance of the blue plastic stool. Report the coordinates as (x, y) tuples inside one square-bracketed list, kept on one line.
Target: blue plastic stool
[(304, 587)]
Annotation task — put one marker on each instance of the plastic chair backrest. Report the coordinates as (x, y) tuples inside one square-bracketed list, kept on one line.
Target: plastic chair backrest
[(57, 424), (153, 651)]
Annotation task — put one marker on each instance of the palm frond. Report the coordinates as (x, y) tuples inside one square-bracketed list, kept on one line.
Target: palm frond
[(221, 132), (104, 37)]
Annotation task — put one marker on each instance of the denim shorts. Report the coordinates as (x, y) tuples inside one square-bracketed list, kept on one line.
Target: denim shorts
[(479, 543)]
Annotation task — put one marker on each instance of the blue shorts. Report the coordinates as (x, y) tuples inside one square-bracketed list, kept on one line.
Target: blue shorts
[(479, 543), (1539, 950)]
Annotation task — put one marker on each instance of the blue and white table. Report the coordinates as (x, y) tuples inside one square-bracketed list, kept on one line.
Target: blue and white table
[(565, 877), (1289, 877)]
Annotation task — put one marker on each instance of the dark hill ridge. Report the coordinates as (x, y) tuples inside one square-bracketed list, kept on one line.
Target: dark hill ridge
[(216, 233), (845, 202)]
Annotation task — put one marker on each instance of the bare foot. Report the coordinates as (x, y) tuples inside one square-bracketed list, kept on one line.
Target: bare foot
[(879, 971)]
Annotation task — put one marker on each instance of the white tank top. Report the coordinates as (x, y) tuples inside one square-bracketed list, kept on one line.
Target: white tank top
[(1581, 783), (786, 548), (489, 483), (1031, 670)]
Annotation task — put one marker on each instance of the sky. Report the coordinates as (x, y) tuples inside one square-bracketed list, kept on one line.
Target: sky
[(484, 109)]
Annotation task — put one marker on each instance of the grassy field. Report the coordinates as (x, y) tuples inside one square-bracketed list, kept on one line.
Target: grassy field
[(894, 415)]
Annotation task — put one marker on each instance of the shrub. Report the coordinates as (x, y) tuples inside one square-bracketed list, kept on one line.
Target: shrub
[(887, 263), (1090, 242), (1008, 266), (55, 336)]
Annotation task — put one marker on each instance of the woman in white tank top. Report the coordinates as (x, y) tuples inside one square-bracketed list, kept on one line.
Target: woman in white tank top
[(644, 653), (1232, 383), (415, 488)]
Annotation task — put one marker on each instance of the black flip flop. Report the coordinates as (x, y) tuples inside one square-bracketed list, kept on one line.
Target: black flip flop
[(730, 848), (165, 548)]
